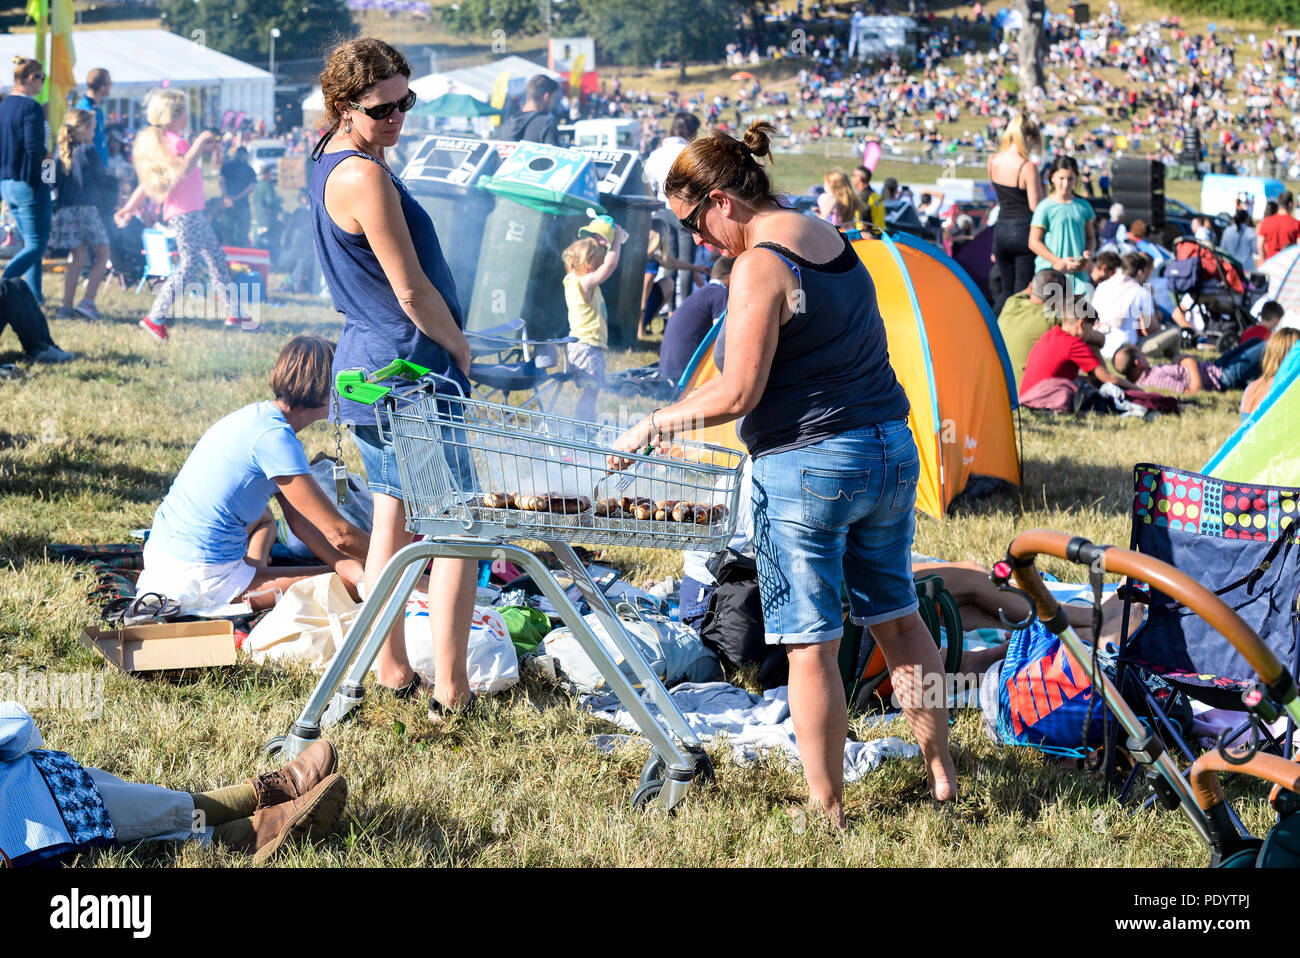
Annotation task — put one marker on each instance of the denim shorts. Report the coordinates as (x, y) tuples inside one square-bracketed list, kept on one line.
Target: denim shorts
[(380, 461), (839, 510)]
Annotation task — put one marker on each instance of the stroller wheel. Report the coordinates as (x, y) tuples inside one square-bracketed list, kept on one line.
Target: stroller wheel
[(1226, 341)]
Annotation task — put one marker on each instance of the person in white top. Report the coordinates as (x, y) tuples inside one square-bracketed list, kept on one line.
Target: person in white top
[(1126, 313), (1239, 240), (681, 244)]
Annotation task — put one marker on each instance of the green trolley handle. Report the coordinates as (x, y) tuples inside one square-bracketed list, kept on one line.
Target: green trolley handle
[(360, 386)]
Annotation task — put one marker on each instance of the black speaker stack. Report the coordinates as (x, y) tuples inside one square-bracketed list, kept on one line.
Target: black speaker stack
[(1139, 185)]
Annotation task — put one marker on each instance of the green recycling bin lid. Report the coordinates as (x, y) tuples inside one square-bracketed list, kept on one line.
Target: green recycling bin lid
[(539, 197), (546, 178)]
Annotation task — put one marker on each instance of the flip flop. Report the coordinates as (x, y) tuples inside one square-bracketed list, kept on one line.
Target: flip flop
[(439, 713), (407, 691)]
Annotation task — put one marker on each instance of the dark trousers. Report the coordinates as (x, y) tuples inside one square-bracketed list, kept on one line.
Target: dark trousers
[(1015, 261), (18, 310)]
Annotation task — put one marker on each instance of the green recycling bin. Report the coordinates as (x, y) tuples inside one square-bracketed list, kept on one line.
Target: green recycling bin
[(542, 196)]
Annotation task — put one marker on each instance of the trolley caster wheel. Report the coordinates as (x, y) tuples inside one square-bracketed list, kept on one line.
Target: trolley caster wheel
[(273, 748), (646, 794), (654, 769), (704, 774)]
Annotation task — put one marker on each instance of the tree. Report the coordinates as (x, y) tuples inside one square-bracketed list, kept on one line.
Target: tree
[(1030, 46), (515, 18), (661, 29), (242, 28)]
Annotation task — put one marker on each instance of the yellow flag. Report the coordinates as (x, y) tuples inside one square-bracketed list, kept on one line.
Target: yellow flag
[(500, 90), (60, 80), (575, 75), (37, 10)]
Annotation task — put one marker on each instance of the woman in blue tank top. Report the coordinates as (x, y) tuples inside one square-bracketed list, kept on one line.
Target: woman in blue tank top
[(388, 277), (805, 362)]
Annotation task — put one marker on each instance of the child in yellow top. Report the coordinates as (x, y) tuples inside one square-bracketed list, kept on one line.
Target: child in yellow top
[(590, 261)]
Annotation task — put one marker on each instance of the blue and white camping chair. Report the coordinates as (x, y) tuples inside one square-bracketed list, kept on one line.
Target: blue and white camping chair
[(159, 249)]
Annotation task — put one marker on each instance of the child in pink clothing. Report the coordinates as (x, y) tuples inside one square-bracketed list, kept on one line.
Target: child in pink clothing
[(168, 167)]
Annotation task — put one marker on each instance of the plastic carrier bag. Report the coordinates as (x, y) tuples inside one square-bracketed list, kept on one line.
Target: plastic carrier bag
[(492, 662)]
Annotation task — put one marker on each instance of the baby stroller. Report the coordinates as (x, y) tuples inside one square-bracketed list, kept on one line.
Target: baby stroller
[(1230, 643), (1223, 291)]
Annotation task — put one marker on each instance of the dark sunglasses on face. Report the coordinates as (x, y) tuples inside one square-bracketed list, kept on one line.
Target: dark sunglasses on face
[(382, 111), (691, 221)]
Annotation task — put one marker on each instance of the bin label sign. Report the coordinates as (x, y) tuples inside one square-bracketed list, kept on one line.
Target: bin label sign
[(552, 168), (515, 232)]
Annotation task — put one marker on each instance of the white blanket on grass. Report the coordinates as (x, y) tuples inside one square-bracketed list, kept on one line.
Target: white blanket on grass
[(753, 724)]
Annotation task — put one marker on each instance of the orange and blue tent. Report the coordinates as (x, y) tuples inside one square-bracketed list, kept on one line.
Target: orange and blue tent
[(947, 352)]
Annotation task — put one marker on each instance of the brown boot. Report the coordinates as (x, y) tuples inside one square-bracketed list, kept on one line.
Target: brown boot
[(297, 778), (311, 817)]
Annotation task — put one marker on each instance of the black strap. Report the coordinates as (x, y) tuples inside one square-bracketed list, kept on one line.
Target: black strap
[(1251, 579)]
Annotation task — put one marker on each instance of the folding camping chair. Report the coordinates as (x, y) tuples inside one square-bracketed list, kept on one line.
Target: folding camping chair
[(1239, 540), (158, 253), (504, 361)]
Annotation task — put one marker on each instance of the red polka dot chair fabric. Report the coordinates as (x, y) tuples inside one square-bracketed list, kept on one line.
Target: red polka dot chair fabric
[(1236, 539)]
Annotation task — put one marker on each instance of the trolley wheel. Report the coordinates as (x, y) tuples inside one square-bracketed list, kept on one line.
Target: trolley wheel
[(273, 748), (646, 794), (654, 769), (704, 774)]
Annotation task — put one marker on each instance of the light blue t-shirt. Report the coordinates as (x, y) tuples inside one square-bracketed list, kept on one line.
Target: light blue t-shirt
[(225, 484), (1065, 228)]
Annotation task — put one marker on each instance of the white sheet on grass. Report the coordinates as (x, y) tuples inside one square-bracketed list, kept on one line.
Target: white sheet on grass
[(753, 724)]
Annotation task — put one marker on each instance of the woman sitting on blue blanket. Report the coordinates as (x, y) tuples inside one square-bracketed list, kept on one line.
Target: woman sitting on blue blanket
[(211, 538)]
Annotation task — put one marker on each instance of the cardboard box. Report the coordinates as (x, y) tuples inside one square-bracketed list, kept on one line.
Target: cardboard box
[(291, 172), (168, 645)]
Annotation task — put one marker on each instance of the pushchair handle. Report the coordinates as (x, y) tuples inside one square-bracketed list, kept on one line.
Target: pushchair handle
[(1179, 585), (1205, 773)]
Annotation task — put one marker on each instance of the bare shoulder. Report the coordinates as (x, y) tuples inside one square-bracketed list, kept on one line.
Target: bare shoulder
[(813, 239), (357, 172)]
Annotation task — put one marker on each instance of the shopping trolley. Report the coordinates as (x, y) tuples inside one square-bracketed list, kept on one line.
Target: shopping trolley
[(476, 475)]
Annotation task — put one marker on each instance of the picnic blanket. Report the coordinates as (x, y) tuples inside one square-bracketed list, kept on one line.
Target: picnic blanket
[(114, 569)]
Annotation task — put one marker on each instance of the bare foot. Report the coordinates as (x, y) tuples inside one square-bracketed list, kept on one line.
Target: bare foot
[(943, 780)]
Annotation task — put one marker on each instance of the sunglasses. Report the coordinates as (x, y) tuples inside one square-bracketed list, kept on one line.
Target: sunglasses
[(691, 221), (382, 111)]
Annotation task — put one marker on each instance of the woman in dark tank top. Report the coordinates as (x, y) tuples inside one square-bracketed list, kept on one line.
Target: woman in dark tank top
[(806, 364), (1016, 183)]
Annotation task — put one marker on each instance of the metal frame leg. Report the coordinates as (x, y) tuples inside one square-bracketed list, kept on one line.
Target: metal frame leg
[(388, 600), (614, 626), (385, 602)]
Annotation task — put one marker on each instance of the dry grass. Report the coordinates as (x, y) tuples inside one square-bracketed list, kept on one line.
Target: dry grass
[(88, 449)]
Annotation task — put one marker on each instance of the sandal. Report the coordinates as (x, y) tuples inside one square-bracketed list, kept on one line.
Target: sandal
[(406, 691), (440, 713)]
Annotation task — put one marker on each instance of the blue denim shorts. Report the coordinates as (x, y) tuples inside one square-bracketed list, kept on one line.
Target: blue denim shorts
[(380, 460), (839, 510)]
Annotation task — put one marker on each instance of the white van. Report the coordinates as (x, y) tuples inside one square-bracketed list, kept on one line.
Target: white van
[(264, 153)]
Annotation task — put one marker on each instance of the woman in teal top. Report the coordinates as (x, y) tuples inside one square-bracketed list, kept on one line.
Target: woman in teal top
[(1062, 232)]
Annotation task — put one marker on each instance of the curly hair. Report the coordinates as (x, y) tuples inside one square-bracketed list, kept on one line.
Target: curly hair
[(352, 68)]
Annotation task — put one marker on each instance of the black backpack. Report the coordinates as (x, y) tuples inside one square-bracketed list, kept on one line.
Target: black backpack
[(733, 620)]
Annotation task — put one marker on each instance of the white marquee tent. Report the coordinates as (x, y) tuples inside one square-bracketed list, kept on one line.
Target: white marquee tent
[(477, 82), (141, 60)]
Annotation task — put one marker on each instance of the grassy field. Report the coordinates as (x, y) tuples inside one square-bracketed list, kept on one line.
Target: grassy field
[(88, 449)]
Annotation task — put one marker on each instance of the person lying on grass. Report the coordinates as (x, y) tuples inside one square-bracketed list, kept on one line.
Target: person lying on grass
[(1188, 375), (211, 538), (45, 790)]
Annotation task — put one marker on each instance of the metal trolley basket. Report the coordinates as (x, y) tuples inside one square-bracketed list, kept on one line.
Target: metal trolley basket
[(460, 458)]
